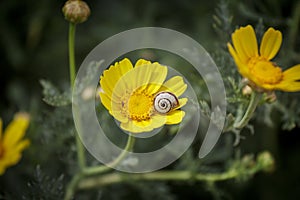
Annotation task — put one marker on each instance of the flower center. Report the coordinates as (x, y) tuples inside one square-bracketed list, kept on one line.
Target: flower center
[(140, 106), (265, 71)]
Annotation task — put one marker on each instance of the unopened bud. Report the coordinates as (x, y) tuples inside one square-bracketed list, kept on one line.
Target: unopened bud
[(267, 161), (88, 93), (247, 90), (76, 11)]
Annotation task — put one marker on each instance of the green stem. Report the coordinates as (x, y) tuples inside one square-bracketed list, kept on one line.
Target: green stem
[(101, 169), (241, 168), (72, 28), (72, 186), (128, 147), (113, 178), (79, 145), (90, 171), (241, 123)]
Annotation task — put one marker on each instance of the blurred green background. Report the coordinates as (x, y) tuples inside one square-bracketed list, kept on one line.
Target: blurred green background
[(33, 41)]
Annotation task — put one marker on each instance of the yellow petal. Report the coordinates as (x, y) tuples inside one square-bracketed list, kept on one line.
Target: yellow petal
[(105, 100), (245, 44), (247, 38), (11, 159), (143, 126), (243, 68), (149, 76), (155, 121), (290, 81), (132, 128), (182, 102), (2, 169), (20, 146), (15, 130), (141, 62), (175, 85), (292, 74), (158, 120), (270, 44), (175, 117), (158, 76), (250, 43), (117, 113), (288, 86), (112, 75), (143, 76), (1, 128), (13, 154)]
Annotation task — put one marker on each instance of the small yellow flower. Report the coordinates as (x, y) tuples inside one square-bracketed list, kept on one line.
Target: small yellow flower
[(257, 67), (139, 98), (11, 143)]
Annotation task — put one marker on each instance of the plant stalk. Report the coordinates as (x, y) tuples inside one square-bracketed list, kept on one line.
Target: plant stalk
[(241, 123), (79, 145)]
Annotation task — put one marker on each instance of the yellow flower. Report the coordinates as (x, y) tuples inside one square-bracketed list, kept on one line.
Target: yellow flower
[(132, 95), (256, 66), (11, 143)]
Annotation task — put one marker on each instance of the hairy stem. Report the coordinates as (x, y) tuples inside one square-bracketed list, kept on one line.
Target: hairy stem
[(241, 123)]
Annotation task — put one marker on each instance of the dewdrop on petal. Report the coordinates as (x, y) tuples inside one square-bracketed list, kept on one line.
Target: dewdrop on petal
[(76, 11)]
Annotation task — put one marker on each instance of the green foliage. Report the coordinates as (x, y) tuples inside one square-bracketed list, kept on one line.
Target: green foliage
[(45, 187), (53, 97), (35, 47)]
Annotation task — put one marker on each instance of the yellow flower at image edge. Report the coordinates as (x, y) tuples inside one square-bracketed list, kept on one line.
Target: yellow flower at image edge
[(11, 142), (256, 66), (139, 98)]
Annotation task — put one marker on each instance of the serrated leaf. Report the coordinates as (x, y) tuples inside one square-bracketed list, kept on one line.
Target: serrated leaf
[(217, 117), (229, 121), (87, 80), (53, 96), (205, 109)]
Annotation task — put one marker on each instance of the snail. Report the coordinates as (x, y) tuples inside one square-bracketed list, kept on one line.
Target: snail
[(164, 102)]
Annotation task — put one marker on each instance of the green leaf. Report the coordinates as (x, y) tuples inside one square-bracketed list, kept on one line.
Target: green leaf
[(53, 96)]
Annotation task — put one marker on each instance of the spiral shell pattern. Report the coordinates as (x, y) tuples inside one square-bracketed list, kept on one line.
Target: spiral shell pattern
[(164, 102)]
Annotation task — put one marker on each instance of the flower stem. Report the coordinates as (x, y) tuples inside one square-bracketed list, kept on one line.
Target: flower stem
[(113, 178), (80, 149), (128, 147), (92, 171), (101, 169), (241, 123), (72, 186), (72, 28)]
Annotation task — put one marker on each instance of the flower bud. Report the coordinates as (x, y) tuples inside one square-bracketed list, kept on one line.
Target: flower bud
[(76, 11), (266, 160), (247, 90)]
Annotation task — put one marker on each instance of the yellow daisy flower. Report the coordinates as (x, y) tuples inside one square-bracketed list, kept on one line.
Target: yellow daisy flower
[(11, 143), (139, 98), (257, 66)]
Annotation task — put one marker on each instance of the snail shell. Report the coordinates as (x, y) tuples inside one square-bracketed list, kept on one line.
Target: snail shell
[(164, 102)]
